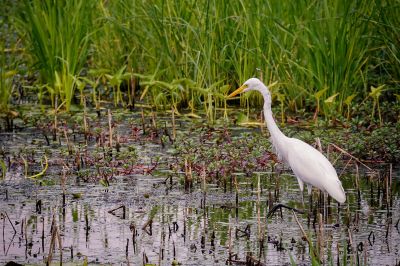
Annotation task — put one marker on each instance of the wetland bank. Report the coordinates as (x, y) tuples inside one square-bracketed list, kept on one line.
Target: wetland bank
[(118, 144)]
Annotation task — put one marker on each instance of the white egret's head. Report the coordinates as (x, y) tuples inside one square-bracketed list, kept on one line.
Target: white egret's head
[(253, 84)]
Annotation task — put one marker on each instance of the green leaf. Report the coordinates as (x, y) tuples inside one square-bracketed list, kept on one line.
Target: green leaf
[(376, 92), (57, 82), (319, 93), (350, 98), (331, 99)]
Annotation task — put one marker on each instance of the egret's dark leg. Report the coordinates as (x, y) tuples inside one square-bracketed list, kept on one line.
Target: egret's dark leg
[(310, 201)]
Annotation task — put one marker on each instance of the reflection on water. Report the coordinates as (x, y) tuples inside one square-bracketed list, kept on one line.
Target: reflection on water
[(181, 229), (150, 217)]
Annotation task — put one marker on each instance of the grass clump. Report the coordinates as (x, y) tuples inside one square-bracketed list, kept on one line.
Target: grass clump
[(58, 36)]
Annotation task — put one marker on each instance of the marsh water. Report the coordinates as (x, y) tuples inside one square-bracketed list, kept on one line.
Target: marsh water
[(141, 212)]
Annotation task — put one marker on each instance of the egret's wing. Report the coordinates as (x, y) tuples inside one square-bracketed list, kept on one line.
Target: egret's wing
[(313, 168), (308, 164)]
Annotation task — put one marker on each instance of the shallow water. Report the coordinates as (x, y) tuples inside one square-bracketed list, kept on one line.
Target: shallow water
[(183, 228)]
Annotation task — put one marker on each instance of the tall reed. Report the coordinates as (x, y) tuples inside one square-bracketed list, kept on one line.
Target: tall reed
[(386, 41), (57, 34), (307, 47), (185, 54)]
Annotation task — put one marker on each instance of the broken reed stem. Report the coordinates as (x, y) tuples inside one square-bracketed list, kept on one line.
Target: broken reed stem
[(390, 182), (55, 237), (173, 124), (365, 252), (358, 182), (153, 119), (304, 234), (230, 245), (63, 181), (55, 119), (118, 145), (258, 208), (188, 174), (8, 218), (351, 244), (260, 228), (143, 124), (348, 154), (110, 128), (67, 140), (345, 167), (85, 126), (387, 192), (203, 176), (321, 237), (161, 252)]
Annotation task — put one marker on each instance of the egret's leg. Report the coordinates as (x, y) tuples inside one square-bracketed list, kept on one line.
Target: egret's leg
[(301, 185), (309, 188)]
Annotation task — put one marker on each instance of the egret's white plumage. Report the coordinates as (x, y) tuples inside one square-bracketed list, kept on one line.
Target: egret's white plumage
[(309, 165)]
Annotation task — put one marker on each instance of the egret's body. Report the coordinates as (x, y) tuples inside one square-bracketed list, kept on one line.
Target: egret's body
[(309, 165)]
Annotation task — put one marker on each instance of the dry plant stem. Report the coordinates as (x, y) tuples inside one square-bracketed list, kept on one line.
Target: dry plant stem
[(173, 124), (348, 154), (8, 218), (153, 119), (85, 126), (149, 221), (63, 180), (321, 239), (390, 182), (67, 140), (258, 209), (110, 128), (230, 245), (358, 183), (351, 244), (55, 120), (260, 228), (338, 253), (365, 253), (345, 167), (304, 233), (143, 124), (55, 236), (188, 174)]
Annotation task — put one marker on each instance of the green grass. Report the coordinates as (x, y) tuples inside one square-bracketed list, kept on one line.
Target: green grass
[(325, 55), (6, 83), (58, 36), (10, 59)]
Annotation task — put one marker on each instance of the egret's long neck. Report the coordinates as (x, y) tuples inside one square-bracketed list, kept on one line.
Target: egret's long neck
[(275, 132), (277, 137)]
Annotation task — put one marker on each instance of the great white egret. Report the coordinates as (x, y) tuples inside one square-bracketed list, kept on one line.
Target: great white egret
[(308, 164)]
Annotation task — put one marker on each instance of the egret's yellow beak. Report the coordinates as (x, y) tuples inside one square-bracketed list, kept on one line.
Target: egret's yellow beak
[(236, 92)]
